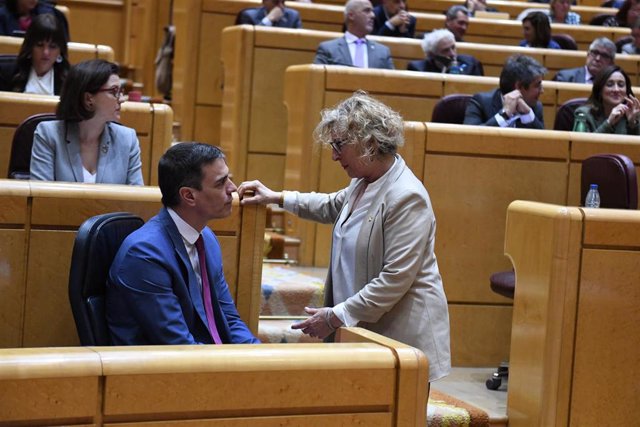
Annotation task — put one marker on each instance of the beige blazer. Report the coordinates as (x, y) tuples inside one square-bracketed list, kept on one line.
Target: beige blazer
[(401, 294)]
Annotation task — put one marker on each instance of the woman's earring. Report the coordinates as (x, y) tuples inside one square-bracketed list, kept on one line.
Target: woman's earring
[(59, 59)]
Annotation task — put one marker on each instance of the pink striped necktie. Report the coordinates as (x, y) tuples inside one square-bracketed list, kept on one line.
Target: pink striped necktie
[(359, 56), (206, 291)]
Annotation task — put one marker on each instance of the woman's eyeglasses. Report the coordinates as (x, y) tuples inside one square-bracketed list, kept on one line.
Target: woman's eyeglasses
[(337, 144), (115, 91)]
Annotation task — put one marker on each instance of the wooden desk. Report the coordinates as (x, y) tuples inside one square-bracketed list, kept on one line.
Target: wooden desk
[(574, 342), (366, 379)]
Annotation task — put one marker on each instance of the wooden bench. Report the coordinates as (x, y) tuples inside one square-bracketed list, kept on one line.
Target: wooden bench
[(574, 343), (134, 29), (513, 8), (365, 379), (78, 52), (38, 225), (152, 122)]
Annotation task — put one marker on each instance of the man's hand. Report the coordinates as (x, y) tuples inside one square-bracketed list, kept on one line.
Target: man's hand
[(276, 13), (510, 102), (400, 20)]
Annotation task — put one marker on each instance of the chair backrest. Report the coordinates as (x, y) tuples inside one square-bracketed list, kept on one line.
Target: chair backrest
[(7, 68), (96, 244), (450, 109), (20, 160), (565, 41), (565, 114), (615, 175), (600, 19), (622, 41)]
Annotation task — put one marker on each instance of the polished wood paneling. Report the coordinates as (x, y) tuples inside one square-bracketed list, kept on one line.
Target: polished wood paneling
[(77, 51), (367, 379), (572, 315)]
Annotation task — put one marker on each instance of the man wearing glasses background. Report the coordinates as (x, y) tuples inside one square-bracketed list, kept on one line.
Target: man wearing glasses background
[(601, 54)]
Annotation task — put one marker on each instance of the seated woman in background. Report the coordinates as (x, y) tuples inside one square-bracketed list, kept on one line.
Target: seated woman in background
[(626, 16), (612, 107), (42, 63), (537, 31), (633, 47), (85, 145), (16, 16), (560, 13)]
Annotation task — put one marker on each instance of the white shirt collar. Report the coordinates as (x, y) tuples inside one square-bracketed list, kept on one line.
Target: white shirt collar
[(188, 233), (43, 85), (351, 38)]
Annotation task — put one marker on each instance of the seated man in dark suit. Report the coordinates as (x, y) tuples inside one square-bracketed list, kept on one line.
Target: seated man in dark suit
[(393, 20), (601, 54), (166, 284), (456, 20), (354, 49), (440, 48), (271, 14), (515, 103)]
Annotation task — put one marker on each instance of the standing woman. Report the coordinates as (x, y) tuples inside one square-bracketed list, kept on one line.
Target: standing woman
[(383, 274), (537, 31), (42, 64), (612, 107), (86, 144)]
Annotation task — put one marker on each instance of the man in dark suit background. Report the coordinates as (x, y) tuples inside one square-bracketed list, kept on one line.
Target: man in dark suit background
[(271, 14), (393, 20), (515, 103), (440, 48), (354, 49), (166, 284), (601, 54), (457, 21)]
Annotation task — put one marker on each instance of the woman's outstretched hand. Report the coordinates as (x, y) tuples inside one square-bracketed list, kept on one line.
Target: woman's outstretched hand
[(256, 193)]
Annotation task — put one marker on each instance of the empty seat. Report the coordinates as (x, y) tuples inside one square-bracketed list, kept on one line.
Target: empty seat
[(615, 175), (450, 109)]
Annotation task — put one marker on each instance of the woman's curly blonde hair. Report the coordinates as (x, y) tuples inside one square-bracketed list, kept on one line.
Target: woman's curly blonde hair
[(361, 120)]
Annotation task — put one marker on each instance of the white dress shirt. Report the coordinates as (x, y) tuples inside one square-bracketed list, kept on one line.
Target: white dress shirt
[(351, 44), (189, 236)]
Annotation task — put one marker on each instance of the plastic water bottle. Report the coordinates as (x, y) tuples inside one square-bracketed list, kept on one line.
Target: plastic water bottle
[(455, 68), (593, 197), (580, 123)]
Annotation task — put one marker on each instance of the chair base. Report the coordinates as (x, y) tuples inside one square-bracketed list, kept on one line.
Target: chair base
[(502, 373)]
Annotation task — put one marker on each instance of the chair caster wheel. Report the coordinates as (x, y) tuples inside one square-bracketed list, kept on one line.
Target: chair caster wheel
[(493, 383)]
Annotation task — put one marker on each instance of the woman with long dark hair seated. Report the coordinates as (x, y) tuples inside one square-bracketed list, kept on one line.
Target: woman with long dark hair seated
[(86, 144), (612, 107), (43, 61), (537, 31)]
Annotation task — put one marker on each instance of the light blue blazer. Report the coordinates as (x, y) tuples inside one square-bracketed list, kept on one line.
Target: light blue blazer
[(55, 155)]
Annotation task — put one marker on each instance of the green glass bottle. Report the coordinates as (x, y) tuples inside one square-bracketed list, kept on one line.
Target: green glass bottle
[(580, 123)]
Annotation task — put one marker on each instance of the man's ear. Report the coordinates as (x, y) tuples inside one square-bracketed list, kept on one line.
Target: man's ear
[(187, 196)]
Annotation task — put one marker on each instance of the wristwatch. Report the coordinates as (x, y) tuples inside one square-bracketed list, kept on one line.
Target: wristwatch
[(504, 115)]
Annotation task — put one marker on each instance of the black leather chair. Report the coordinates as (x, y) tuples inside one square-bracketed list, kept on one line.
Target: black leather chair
[(622, 41), (565, 114), (450, 109), (565, 41), (20, 160), (96, 244), (616, 177), (7, 68)]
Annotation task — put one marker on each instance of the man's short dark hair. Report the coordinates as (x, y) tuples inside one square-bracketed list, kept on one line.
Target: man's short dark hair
[(519, 68), (181, 166), (452, 12), (86, 76)]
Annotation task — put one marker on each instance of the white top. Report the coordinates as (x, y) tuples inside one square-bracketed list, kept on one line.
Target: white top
[(351, 44), (345, 235), (42, 85), (189, 236), (88, 177)]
